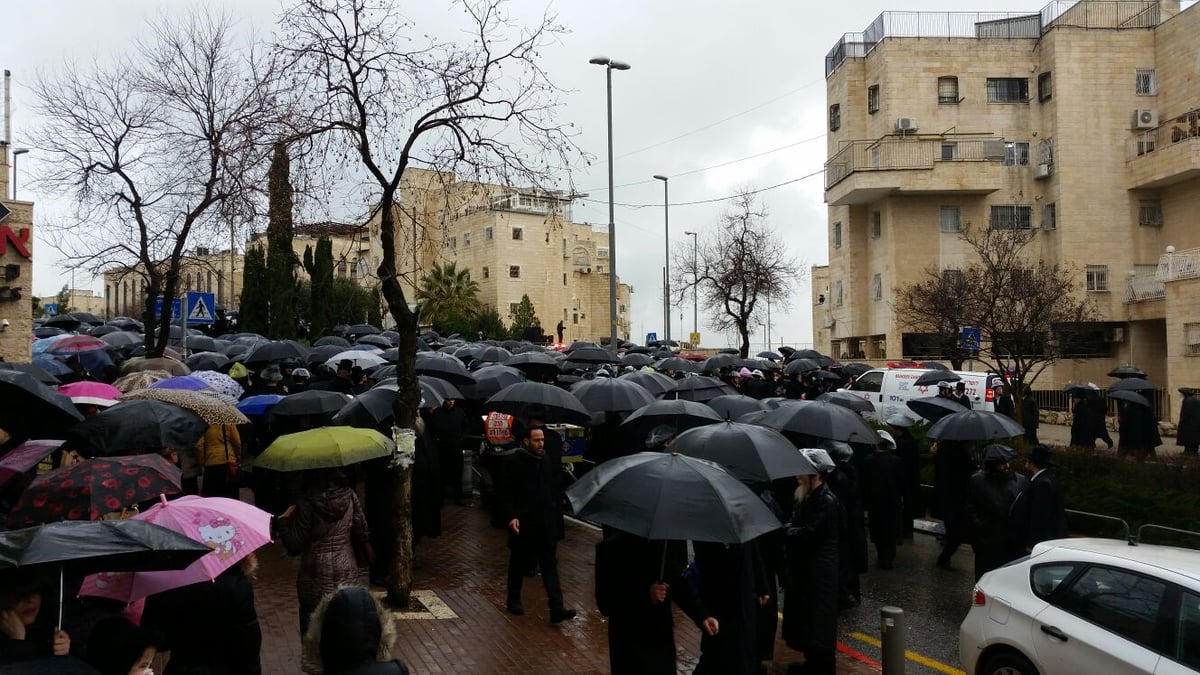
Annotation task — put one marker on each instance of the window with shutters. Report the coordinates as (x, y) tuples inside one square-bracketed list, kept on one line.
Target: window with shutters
[(837, 294), (877, 286), (1008, 90), (514, 271), (1050, 216), (948, 90), (466, 238), (1045, 86), (486, 272), (1097, 278), (876, 224), (1012, 217), (1191, 338), (487, 233), (837, 235), (601, 251), (1150, 213), (951, 220), (835, 117), (949, 152), (1016, 153), (873, 99), (518, 233), (1145, 82)]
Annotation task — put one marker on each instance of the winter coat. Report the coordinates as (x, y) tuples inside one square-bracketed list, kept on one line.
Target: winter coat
[(447, 426), (1005, 405), (853, 537), (1038, 514), (526, 492), (1139, 429), (210, 628), (811, 608), (426, 488), (1030, 418), (952, 468), (322, 531), (1097, 414), (731, 577), (883, 485), (989, 499), (1081, 425), (1189, 421), (221, 444), (351, 633)]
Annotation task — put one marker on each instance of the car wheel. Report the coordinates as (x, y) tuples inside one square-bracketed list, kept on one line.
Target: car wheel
[(1007, 663)]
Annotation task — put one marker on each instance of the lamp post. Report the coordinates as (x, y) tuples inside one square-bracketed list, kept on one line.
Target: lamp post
[(16, 153), (666, 257), (609, 66), (695, 283)]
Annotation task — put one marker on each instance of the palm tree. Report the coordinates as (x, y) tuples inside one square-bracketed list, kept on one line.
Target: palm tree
[(448, 294)]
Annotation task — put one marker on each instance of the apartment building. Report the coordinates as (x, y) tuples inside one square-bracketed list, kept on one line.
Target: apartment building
[(1080, 121), (16, 266)]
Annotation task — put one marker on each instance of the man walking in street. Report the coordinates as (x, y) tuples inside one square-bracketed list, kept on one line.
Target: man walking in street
[(526, 502), (990, 496), (1189, 422), (810, 602), (1038, 514)]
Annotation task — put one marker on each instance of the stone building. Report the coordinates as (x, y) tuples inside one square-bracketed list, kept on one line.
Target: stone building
[(1081, 121), (202, 269), (16, 269), (350, 243)]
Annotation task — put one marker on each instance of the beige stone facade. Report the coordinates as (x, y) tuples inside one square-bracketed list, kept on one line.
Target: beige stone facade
[(202, 270), (16, 271), (1083, 124), (513, 242)]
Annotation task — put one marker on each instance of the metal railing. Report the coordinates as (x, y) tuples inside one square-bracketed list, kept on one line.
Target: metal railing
[(1182, 128), (1056, 400), (1178, 265), (890, 153), (1145, 287), (990, 25)]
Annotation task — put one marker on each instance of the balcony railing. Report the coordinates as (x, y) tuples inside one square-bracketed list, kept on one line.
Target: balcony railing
[(1144, 287), (1178, 130), (896, 153), (1178, 265), (1004, 25)]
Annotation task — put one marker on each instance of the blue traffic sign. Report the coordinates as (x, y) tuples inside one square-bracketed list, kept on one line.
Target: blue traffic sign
[(970, 339), (176, 308), (50, 308), (651, 337), (201, 307)]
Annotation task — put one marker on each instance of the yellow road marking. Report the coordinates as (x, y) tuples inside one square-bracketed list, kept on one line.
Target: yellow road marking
[(912, 656)]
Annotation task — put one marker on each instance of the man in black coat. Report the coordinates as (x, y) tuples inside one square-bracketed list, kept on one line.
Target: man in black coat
[(883, 487), (1030, 416), (1098, 414), (525, 500), (1082, 435), (732, 586), (990, 496), (810, 605), (960, 395), (852, 539), (447, 425), (1188, 435), (1038, 514), (1005, 403), (909, 452)]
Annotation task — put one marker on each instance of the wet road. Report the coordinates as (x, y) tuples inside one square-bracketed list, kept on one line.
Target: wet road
[(934, 603)]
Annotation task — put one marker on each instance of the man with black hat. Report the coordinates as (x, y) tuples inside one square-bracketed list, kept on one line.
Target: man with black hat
[(960, 394), (1038, 514), (343, 383), (909, 452), (1189, 422), (990, 495)]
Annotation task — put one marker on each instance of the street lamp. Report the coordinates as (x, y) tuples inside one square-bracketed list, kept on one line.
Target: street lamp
[(666, 257), (16, 153), (695, 283), (609, 66)]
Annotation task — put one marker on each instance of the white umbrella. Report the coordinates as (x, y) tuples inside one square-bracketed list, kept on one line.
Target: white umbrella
[(358, 358)]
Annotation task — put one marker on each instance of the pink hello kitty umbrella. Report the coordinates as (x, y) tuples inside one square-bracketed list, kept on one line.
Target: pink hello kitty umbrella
[(232, 529)]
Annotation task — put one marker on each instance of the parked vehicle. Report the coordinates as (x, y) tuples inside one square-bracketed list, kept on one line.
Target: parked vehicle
[(890, 388), (1079, 606)]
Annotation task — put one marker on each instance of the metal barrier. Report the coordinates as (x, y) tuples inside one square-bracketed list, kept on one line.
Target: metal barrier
[(1057, 400)]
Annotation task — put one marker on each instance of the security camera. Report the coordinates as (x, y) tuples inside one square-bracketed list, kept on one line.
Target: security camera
[(4, 324)]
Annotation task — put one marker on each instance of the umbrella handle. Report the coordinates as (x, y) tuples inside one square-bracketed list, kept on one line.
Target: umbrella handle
[(58, 626), (662, 562)]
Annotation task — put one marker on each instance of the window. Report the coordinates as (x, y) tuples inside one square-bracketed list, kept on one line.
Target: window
[(837, 235), (487, 233), (1045, 579), (1125, 603), (518, 233), (951, 219), (877, 286), (486, 273), (1191, 338), (1008, 90), (354, 270), (1097, 278), (564, 278), (876, 224), (599, 269), (514, 271), (1150, 213), (575, 318), (512, 308), (1050, 216), (837, 294), (1145, 143), (1012, 217), (948, 90), (1016, 153), (453, 242), (1045, 87), (341, 268), (954, 278), (601, 251), (873, 99), (949, 152), (872, 382), (1145, 82), (1187, 642), (835, 117), (466, 238)]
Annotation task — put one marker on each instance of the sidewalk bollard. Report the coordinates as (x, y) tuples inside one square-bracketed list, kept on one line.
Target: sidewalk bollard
[(891, 631)]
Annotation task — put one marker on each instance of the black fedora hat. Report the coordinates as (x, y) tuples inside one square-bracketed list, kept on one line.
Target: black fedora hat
[(1041, 456), (1187, 391)]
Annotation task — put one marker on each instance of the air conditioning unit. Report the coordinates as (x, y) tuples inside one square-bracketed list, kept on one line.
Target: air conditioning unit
[(1114, 335), (829, 322), (1043, 171), (906, 125), (993, 150), (585, 270), (1145, 118)]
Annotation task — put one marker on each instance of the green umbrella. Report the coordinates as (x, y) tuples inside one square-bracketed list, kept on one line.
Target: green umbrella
[(323, 448)]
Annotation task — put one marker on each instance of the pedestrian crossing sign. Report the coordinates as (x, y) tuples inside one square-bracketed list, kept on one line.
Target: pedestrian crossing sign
[(200, 307)]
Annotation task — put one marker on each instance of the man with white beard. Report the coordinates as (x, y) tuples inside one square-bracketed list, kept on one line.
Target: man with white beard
[(810, 602)]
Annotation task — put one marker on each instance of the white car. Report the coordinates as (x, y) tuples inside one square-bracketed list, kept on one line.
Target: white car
[(1086, 606)]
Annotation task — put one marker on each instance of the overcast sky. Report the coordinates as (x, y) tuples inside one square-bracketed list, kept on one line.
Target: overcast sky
[(712, 82)]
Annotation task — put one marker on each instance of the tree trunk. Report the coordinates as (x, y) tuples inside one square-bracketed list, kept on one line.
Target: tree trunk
[(400, 579), (744, 350)]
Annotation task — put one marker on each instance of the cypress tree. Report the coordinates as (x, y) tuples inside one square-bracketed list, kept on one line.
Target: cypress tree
[(281, 259), (321, 273), (254, 309)]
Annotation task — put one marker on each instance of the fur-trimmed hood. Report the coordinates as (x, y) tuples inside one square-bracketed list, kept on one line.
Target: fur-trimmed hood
[(348, 630)]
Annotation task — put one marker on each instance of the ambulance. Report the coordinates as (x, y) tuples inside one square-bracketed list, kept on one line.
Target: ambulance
[(889, 389)]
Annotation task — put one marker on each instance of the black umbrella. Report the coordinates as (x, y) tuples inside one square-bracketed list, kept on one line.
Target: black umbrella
[(200, 343), (489, 380), (1127, 371), (975, 425), (934, 376), (934, 365), (820, 420), (753, 417), (30, 409), (1082, 389), (493, 355), (934, 408), (320, 355), (206, 361), (126, 323), (537, 365), (98, 331), (334, 340), (606, 394), (374, 408), (560, 406), (654, 382), (677, 363), (733, 406), (1129, 396), (657, 495), (678, 414), (123, 339), (591, 355), (805, 354), (35, 371), (824, 375), (362, 329), (278, 350), (727, 350), (48, 331), (770, 356), (801, 366), (377, 340), (1132, 384), (700, 388), (848, 400), (133, 427), (444, 389), (581, 344), (391, 354), (854, 370), (753, 454), (311, 402), (715, 363), (391, 335), (383, 372), (764, 365), (636, 360), (64, 322), (447, 367)]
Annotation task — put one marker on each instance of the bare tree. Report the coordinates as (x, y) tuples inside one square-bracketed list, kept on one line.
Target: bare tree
[(160, 149), (1024, 307), (736, 268), (387, 97)]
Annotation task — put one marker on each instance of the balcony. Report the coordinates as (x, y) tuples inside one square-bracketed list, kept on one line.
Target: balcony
[(1178, 265), (865, 171), (1144, 287), (1167, 154)]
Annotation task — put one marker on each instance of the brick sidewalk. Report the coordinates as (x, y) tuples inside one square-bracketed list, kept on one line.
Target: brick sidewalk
[(465, 568)]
